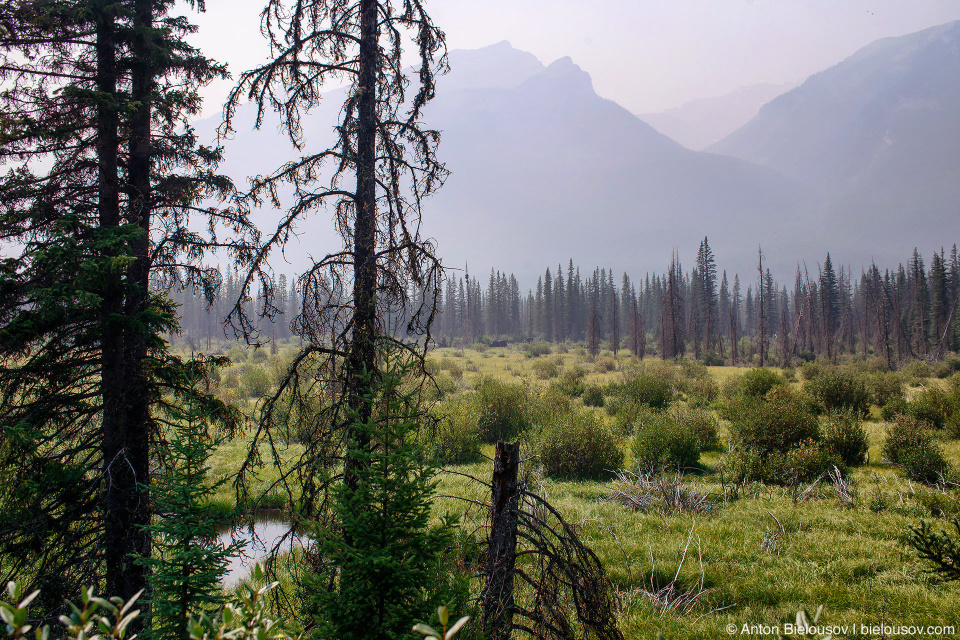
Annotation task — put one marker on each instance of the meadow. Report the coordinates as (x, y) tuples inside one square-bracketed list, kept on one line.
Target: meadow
[(691, 549)]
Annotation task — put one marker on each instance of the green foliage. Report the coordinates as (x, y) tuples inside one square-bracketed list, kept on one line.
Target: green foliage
[(910, 446), (383, 546), (578, 444), (546, 369), (255, 381), (756, 383), (454, 437), (571, 381), (593, 396), (501, 410), (187, 563), (885, 387), (843, 434), (245, 618), (805, 462), (651, 389), (839, 390), (702, 391), (662, 442), (536, 349), (704, 426), (444, 633), (112, 621), (775, 423), (942, 549), (933, 406)]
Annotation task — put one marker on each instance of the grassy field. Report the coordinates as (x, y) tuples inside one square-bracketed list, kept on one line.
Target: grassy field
[(761, 553)]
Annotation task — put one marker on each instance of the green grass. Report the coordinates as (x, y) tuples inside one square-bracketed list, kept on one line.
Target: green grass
[(853, 561)]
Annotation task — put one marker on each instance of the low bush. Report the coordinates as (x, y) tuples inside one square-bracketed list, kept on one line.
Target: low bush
[(593, 395), (547, 406), (579, 445), (535, 349), (661, 442), (932, 405), (606, 365), (571, 382), (454, 438), (910, 446), (885, 387), (839, 390), (777, 422), (807, 461), (546, 369), (255, 382), (501, 410), (758, 382), (704, 426), (701, 392), (843, 434), (650, 389)]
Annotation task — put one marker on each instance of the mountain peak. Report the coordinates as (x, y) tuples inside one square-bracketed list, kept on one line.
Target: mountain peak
[(498, 65)]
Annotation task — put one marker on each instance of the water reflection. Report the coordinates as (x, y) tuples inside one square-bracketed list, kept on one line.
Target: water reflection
[(259, 536)]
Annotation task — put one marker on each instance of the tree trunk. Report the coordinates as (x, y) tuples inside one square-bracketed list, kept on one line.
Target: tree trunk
[(502, 549)]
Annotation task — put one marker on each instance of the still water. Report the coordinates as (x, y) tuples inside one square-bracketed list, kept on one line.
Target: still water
[(258, 537)]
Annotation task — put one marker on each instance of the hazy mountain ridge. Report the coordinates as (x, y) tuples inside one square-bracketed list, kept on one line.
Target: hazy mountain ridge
[(879, 134), (700, 123), (543, 169)]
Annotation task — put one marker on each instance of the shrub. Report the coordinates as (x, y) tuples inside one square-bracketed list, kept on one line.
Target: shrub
[(535, 349), (661, 442), (579, 445), (648, 388), (546, 369), (547, 406), (501, 410), (810, 370), (932, 405), (712, 359), (605, 365), (704, 426), (258, 355), (916, 372), (910, 446), (454, 440), (775, 423), (571, 381), (743, 465), (806, 462), (593, 395), (885, 387), (702, 391), (896, 406), (838, 390), (844, 435), (758, 382), (905, 432), (255, 382)]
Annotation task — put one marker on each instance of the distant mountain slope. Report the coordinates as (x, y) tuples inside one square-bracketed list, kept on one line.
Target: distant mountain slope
[(699, 123), (878, 134), (543, 170)]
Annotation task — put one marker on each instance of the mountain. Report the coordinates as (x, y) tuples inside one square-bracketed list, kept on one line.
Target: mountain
[(543, 170), (699, 123), (878, 135)]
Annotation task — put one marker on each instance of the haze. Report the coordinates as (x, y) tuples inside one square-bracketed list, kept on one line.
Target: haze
[(645, 55)]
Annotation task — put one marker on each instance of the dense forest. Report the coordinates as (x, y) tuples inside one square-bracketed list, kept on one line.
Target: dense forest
[(896, 314)]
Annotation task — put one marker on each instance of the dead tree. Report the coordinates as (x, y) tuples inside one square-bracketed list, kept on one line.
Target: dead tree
[(540, 577)]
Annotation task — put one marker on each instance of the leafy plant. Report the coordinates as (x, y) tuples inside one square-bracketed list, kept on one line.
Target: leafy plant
[(661, 442), (839, 390), (940, 548), (843, 433), (579, 444), (444, 633)]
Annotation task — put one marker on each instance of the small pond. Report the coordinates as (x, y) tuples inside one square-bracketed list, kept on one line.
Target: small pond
[(259, 535)]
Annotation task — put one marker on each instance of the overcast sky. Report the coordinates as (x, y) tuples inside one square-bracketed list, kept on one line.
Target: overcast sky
[(647, 55)]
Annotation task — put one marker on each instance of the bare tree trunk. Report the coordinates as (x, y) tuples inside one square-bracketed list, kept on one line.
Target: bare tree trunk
[(497, 597)]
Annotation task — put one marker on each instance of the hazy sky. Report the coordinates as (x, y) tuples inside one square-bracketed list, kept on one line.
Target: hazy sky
[(648, 55)]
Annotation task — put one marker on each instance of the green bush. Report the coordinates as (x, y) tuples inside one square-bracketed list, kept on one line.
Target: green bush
[(839, 390), (910, 446), (547, 406), (756, 383), (810, 370), (885, 387), (807, 461), (932, 405), (896, 406), (661, 442), (701, 391), (593, 395), (650, 389), (571, 382), (917, 372), (775, 423), (704, 426), (546, 369), (606, 365), (535, 349), (255, 382), (843, 434), (579, 445), (743, 465), (454, 439), (501, 410)]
